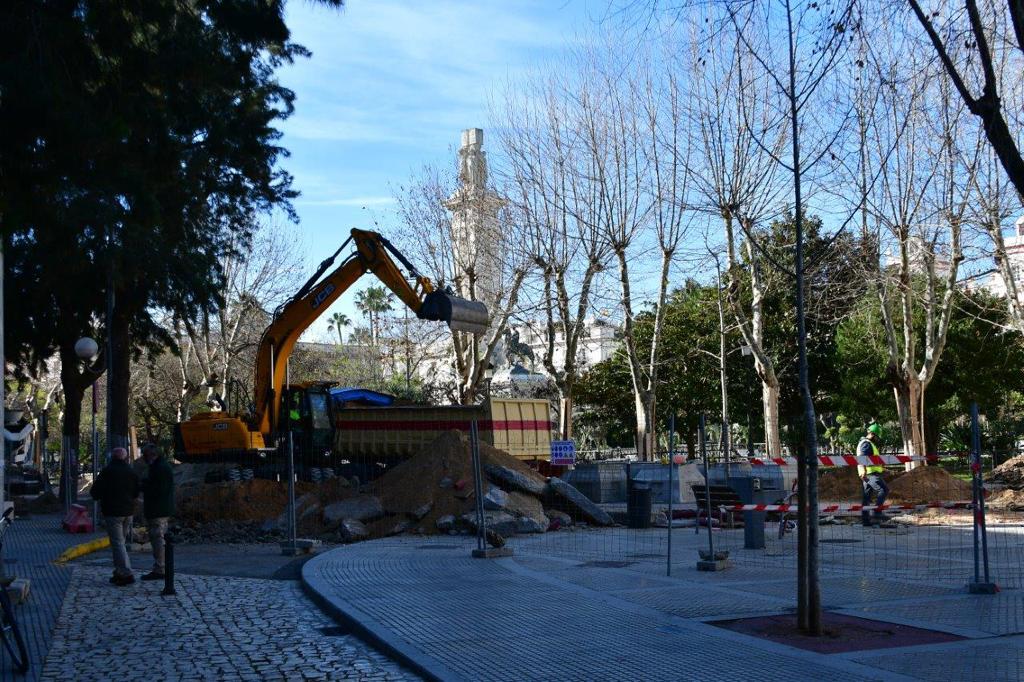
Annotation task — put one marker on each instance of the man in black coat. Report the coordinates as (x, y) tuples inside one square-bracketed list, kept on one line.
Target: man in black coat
[(116, 489), (157, 505)]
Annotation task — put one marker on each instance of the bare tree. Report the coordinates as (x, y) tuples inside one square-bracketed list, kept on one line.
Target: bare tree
[(425, 207), (214, 351), (920, 203), (740, 136), (977, 41), (542, 153)]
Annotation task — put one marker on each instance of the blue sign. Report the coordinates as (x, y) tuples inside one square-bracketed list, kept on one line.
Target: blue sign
[(563, 452)]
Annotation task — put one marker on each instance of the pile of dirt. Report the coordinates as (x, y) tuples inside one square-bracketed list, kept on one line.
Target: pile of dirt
[(1006, 500), (928, 484), (839, 484), (1010, 473), (919, 486), (438, 482), (254, 500), (430, 493)]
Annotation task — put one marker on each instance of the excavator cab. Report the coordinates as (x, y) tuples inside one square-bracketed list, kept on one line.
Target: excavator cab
[(308, 420)]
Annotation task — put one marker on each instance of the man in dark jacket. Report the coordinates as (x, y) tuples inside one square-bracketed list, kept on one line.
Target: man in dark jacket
[(158, 505), (116, 489)]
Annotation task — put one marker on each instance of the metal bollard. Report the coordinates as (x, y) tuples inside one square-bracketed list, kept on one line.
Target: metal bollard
[(168, 565)]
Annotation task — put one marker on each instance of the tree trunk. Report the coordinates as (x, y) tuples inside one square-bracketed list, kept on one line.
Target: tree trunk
[(645, 446), (770, 400), (119, 378), (74, 391), (908, 411), (691, 442), (565, 417)]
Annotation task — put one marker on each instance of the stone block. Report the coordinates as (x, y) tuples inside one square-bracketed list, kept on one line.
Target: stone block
[(562, 491), (511, 479), (352, 530), (500, 522), (362, 508), (496, 499)]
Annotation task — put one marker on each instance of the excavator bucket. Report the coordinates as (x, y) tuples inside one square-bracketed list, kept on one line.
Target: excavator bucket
[(460, 315)]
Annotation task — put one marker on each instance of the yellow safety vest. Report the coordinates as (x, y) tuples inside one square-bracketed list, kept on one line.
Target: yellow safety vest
[(874, 468)]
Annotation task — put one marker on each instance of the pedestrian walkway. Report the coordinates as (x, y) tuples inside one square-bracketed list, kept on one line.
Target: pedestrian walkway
[(29, 548), (536, 616), (214, 628)]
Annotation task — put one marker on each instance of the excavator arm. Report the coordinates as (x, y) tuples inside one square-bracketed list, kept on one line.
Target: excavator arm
[(373, 253)]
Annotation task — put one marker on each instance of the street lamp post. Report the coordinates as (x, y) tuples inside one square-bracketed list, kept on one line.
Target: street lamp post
[(87, 350)]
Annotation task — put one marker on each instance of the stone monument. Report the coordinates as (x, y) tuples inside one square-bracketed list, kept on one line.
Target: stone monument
[(475, 228)]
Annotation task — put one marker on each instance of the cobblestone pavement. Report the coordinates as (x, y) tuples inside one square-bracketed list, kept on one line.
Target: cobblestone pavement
[(217, 628), (544, 615), (29, 548)]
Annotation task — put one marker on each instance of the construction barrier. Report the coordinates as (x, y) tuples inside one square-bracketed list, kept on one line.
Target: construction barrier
[(834, 508), (846, 460)]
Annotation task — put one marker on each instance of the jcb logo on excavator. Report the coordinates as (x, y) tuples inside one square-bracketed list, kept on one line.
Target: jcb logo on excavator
[(321, 295)]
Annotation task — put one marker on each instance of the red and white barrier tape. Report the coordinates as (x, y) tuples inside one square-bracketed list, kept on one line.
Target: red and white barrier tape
[(828, 508), (845, 460)]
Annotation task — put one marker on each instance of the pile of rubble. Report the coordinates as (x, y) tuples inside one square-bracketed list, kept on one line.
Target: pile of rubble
[(1008, 480), (433, 492), (430, 493)]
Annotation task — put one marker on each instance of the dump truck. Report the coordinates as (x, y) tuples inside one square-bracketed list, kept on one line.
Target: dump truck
[(521, 428), (363, 438)]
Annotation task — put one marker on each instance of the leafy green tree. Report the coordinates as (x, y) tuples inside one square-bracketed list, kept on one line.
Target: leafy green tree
[(689, 371), (983, 362), (138, 146)]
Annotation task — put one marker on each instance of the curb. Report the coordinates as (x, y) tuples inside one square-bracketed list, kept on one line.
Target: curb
[(373, 632), (82, 549)]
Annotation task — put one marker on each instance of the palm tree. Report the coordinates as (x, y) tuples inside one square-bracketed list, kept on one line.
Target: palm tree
[(337, 323), (371, 302)]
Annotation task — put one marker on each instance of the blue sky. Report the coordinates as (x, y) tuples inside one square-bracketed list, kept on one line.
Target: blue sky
[(389, 87)]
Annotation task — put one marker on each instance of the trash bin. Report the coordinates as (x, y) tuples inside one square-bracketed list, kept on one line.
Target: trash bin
[(638, 506)]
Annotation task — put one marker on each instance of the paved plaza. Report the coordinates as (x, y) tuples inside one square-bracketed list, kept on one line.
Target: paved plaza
[(584, 605), (239, 614), (599, 606), (215, 628)]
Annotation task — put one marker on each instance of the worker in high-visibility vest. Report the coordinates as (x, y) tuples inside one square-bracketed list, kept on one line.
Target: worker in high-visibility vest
[(871, 474)]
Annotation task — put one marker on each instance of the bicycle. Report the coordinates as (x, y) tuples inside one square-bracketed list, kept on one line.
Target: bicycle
[(9, 632), (786, 525)]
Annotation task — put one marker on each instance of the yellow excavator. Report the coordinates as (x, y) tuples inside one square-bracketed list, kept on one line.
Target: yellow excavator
[(225, 437)]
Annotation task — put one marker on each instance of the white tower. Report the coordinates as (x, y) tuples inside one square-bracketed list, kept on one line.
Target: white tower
[(476, 230)]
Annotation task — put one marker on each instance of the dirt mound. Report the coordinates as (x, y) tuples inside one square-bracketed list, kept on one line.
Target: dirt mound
[(439, 479), (1006, 500), (839, 484), (1010, 473), (928, 484), (255, 500), (922, 485), (843, 484)]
